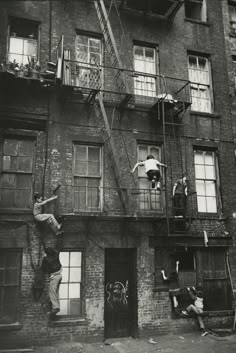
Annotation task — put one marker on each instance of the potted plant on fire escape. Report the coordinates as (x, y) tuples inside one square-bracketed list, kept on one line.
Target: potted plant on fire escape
[(32, 68)]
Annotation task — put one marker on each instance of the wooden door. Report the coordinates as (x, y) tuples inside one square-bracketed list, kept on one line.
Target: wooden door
[(120, 293)]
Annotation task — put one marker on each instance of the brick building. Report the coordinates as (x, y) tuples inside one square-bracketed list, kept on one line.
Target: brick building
[(118, 80)]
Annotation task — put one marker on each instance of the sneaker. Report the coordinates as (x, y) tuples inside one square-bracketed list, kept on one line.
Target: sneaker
[(53, 313), (184, 312), (204, 333), (59, 233)]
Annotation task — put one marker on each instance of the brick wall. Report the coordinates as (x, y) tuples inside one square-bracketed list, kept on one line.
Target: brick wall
[(70, 122)]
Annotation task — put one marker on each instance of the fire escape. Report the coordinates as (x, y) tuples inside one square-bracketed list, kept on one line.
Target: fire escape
[(100, 85)]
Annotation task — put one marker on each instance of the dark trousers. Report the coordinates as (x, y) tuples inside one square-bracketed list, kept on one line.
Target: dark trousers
[(180, 205)]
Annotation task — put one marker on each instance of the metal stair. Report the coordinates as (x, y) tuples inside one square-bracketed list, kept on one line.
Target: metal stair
[(112, 49), (103, 123)]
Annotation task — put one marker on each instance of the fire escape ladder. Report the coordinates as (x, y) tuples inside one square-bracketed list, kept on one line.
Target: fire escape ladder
[(103, 123), (112, 50)]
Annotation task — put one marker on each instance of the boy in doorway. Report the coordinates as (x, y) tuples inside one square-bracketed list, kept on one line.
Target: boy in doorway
[(152, 169), (41, 217)]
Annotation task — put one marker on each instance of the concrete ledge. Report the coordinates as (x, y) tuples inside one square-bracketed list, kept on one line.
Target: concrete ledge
[(10, 327), (59, 322)]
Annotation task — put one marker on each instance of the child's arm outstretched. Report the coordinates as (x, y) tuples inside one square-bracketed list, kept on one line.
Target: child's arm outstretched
[(136, 165), (48, 200)]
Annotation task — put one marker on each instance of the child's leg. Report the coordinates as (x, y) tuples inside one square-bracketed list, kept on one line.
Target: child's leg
[(53, 224)]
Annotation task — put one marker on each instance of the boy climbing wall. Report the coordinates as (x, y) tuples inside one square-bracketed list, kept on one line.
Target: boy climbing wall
[(41, 217)]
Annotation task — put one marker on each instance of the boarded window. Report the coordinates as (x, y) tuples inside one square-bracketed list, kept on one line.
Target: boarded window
[(216, 285), (145, 63), (10, 271), (71, 285), (23, 40), (196, 10), (201, 87), (149, 199), (16, 175), (206, 181), (87, 177)]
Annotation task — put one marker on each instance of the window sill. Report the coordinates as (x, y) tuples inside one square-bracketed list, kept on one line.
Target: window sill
[(15, 211), (204, 23), (66, 321), (205, 115), (10, 327), (160, 289)]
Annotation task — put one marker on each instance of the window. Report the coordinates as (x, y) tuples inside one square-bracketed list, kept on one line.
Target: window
[(88, 52), (149, 199), (16, 174), (187, 268), (10, 271), (196, 10), (206, 180), (87, 177), (23, 40), (145, 61), (232, 17), (201, 87), (70, 291)]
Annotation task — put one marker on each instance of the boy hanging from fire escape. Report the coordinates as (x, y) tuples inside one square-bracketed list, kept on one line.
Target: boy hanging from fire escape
[(41, 217), (152, 169)]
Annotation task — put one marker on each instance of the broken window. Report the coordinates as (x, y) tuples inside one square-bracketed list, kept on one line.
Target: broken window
[(149, 199), (201, 86), (145, 80), (207, 183), (232, 17), (88, 54), (166, 259), (23, 40), (70, 290), (187, 267), (10, 272), (87, 177), (16, 174), (196, 10)]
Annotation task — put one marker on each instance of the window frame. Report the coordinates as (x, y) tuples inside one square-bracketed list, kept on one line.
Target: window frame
[(82, 282), (4, 252), (216, 181), (150, 75), (202, 10), (87, 177), (84, 68), (23, 20), (199, 84), (18, 138), (151, 196)]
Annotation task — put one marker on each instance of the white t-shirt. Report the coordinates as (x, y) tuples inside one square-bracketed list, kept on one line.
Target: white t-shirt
[(150, 164), (199, 303)]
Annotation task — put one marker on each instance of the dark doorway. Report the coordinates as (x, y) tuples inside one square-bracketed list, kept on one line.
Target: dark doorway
[(120, 293)]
